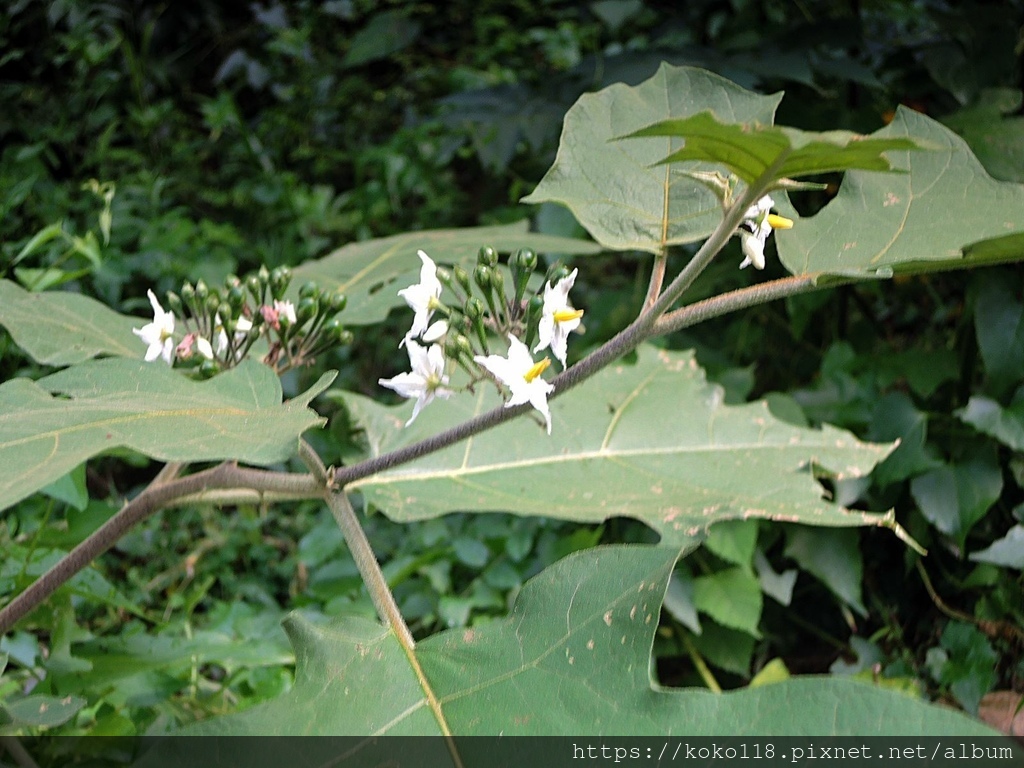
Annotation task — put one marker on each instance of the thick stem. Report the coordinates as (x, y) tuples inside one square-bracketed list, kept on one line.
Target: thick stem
[(161, 493)]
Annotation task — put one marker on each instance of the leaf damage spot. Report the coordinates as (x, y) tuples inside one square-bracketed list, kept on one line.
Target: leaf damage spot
[(608, 618)]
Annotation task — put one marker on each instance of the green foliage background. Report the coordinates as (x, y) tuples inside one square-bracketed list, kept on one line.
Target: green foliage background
[(275, 134)]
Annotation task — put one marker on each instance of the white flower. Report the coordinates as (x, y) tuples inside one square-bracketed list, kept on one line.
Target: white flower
[(159, 334), (558, 318), (204, 348), (242, 327), (422, 298), (758, 222), (284, 309), (426, 381), (436, 330), (522, 376)]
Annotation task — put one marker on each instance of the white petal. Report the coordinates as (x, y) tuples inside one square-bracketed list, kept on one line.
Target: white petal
[(435, 331), (204, 347)]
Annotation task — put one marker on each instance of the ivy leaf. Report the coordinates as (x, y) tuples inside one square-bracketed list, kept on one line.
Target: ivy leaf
[(573, 658), (614, 189), (944, 212), (653, 441), (59, 328), (371, 272), (150, 408), (750, 150)]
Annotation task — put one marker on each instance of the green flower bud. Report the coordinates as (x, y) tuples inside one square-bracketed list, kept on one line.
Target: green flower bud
[(309, 290), (307, 309), (487, 256), (209, 368), (482, 276), (255, 288), (202, 291), (527, 259), (174, 302), (231, 281), (557, 272), (474, 308), (279, 279), (498, 281), (463, 345), (462, 277), (213, 301), (338, 301), (263, 274), (188, 293), (236, 297)]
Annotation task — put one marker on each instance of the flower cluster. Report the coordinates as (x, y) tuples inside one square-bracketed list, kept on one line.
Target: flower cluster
[(484, 309), (222, 326), (758, 223)]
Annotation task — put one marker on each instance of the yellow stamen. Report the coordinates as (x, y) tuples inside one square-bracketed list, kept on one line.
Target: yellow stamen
[(779, 222), (565, 315), (537, 369)]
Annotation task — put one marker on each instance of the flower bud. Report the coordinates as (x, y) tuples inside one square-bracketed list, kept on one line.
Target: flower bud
[(527, 259), (498, 281), (462, 277), (236, 297), (202, 292), (307, 309), (487, 256), (556, 272), (309, 290), (279, 279), (213, 301), (263, 274), (252, 283), (337, 301), (174, 302), (482, 276), (474, 308), (209, 368), (188, 293)]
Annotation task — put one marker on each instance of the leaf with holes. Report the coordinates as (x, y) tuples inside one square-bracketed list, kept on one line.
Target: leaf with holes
[(150, 408), (945, 211), (653, 441)]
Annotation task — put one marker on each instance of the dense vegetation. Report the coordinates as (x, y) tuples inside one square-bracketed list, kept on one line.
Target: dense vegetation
[(145, 144)]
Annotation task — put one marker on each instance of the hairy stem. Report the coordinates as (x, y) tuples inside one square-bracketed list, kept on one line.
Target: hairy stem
[(162, 492)]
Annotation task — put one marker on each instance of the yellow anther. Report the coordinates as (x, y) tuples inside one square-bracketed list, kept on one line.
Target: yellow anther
[(779, 222), (537, 369), (565, 315)]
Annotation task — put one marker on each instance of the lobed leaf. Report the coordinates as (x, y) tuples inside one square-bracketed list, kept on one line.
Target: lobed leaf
[(371, 272), (652, 441), (572, 659), (150, 408)]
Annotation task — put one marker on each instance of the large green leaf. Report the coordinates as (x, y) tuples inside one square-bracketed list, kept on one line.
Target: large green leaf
[(945, 211), (614, 188), (750, 150), (652, 441), (573, 658), (59, 328), (150, 408), (372, 272)]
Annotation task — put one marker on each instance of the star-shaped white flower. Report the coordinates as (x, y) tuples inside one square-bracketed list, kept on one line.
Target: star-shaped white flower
[(558, 318), (522, 376), (758, 223), (422, 297), (426, 380), (159, 334)]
